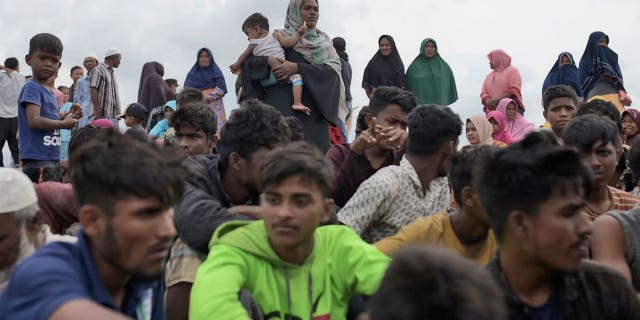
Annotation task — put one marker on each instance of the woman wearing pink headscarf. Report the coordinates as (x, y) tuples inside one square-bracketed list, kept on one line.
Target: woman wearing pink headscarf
[(503, 82), (499, 133), (514, 123)]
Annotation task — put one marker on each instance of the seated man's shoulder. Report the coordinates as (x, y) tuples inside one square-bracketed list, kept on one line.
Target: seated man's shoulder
[(56, 255), (596, 275)]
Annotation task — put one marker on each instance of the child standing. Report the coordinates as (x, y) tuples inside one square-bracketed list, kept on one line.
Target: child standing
[(263, 44), (39, 120)]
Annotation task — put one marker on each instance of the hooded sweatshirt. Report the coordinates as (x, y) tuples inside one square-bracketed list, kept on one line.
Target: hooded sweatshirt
[(340, 266)]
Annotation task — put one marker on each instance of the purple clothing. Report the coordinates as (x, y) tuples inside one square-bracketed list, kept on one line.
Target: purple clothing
[(153, 91), (351, 169)]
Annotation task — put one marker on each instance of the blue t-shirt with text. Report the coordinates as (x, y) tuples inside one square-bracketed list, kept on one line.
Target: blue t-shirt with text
[(38, 144)]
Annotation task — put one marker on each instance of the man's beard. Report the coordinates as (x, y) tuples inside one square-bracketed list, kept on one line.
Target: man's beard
[(26, 249)]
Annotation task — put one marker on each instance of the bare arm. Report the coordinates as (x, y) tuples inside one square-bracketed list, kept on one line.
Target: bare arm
[(368, 90), (287, 42), (97, 108), (177, 302), (608, 245), (80, 308), (37, 122)]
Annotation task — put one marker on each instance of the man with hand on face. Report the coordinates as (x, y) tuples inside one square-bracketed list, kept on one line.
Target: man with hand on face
[(534, 195), (380, 145), (113, 272)]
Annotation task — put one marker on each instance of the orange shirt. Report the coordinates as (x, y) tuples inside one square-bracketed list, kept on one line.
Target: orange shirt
[(620, 200)]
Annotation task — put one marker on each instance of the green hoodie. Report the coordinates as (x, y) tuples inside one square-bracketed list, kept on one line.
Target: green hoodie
[(341, 265)]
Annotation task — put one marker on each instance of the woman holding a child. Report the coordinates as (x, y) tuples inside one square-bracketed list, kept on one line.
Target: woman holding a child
[(315, 59)]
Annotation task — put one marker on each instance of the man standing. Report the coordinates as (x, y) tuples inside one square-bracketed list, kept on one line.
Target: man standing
[(104, 88), (534, 195), (11, 82), (127, 230)]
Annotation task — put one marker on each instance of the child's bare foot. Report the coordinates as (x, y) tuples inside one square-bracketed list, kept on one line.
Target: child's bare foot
[(301, 107)]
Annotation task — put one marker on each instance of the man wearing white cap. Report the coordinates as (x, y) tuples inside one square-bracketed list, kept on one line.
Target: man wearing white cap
[(82, 95), (21, 232), (104, 88)]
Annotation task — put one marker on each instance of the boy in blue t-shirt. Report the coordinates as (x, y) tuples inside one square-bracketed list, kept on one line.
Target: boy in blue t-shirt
[(39, 120)]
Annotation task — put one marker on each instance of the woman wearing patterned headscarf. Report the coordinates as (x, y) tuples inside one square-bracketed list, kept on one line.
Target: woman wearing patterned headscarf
[(385, 68), (630, 125)]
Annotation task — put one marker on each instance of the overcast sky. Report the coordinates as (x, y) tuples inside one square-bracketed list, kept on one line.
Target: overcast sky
[(171, 32)]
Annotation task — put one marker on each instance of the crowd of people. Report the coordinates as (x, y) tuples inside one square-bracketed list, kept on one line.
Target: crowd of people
[(271, 213)]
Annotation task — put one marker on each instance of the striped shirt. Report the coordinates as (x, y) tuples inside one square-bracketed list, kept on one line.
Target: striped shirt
[(620, 201), (103, 79)]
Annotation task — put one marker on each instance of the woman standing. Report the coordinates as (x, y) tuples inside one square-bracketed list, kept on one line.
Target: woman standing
[(503, 82), (564, 71), (315, 59), (600, 73), (385, 68), (479, 130), (514, 123), (153, 91), (430, 78), (206, 76)]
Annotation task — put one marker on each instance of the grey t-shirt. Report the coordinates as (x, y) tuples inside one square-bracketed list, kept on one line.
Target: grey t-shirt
[(630, 222)]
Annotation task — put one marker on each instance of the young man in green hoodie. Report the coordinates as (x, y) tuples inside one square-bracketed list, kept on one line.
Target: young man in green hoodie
[(293, 268)]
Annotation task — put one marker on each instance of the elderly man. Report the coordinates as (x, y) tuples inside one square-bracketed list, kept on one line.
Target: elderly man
[(21, 232), (104, 88)]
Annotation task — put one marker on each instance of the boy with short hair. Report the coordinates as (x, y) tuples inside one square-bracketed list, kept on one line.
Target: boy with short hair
[(466, 230), (39, 121), (596, 139), (134, 117), (560, 106), (264, 44), (293, 268), (534, 197), (195, 128)]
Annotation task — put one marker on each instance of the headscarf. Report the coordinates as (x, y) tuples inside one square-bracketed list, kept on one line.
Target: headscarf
[(484, 128), (205, 78), (635, 116), (598, 60), (385, 70), (431, 79), (567, 74), (315, 46), (153, 91), (519, 127), (504, 78), (502, 135)]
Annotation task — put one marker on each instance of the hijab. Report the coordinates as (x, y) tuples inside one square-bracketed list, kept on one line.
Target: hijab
[(503, 78), (598, 60), (484, 128), (153, 91), (635, 116), (502, 135), (519, 127), (205, 78), (385, 70), (431, 79), (315, 46), (567, 74)]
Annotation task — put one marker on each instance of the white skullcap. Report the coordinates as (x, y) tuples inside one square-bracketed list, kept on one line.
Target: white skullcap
[(111, 52), (17, 190)]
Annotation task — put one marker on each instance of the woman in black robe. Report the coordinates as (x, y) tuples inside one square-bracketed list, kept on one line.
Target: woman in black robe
[(315, 59)]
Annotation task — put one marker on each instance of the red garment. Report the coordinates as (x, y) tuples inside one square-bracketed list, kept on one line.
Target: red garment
[(58, 205), (336, 135)]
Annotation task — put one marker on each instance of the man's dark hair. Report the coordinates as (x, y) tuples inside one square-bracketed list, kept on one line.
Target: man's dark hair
[(188, 95), (634, 159), (256, 20), (250, 127), (74, 68), (521, 177), (11, 63), (60, 88), (113, 166), (461, 167), (45, 42), (295, 126), (81, 136), (584, 131), (361, 121), (427, 282), (171, 82), (197, 115), (429, 127), (382, 97), (559, 91), (601, 108), (299, 158)]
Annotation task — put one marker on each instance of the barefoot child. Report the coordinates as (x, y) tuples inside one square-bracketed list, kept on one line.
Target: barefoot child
[(262, 44)]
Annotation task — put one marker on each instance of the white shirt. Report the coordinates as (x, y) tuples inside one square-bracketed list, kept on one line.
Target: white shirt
[(267, 47), (10, 86)]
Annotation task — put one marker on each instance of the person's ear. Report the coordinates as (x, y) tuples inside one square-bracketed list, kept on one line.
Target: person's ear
[(544, 114), (368, 119), (92, 219), (520, 225), (468, 197), (234, 160), (327, 207), (27, 59), (213, 140)]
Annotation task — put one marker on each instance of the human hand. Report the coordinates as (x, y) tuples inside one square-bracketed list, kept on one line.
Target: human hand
[(254, 212), (392, 138), (365, 140), (68, 122), (274, 62), (77, 111), (234, 67), (285, 70), (303, 29), (624, 98), (492, 103)]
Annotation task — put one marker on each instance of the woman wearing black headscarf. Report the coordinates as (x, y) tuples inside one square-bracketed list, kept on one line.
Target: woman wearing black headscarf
[(385, 68), (153, 91)]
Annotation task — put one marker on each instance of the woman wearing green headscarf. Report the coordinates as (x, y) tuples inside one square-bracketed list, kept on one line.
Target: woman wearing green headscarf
[(430, 78)]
